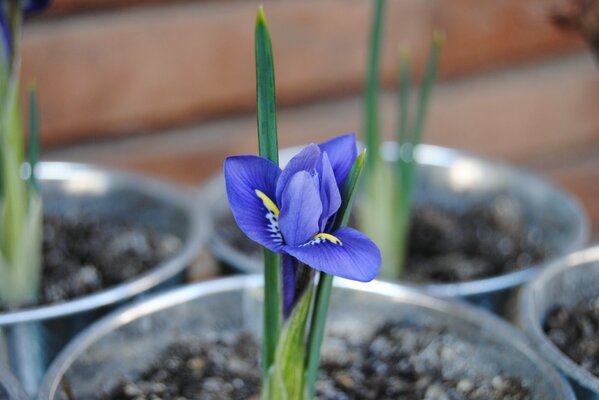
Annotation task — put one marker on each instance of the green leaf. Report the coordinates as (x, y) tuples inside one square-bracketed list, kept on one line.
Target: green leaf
[(34, 134), (15, 191), (266, 103), (403, 95), (286, 376), (371, 117), (427, 85), (325, 282), (267, 140)]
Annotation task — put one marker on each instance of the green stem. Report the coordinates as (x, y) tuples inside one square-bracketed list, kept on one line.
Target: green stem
[(371, 128), (325, 282), (267, 140)]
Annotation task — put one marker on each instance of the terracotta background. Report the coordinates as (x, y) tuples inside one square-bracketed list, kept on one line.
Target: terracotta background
[(167, 87)]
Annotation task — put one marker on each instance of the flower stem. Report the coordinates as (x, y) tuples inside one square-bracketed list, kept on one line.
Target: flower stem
[(325, 282)]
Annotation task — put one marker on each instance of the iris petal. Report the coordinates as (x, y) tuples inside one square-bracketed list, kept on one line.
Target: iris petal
[(356, 257), (305, 160), (329, 192), (245, 178), (300, 208), (342, 152)]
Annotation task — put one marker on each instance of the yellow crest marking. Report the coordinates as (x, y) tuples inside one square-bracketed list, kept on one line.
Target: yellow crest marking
[(268, 203), (329, 237)]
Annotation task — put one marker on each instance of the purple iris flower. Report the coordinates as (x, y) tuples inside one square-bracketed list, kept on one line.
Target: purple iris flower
[(292, 211)]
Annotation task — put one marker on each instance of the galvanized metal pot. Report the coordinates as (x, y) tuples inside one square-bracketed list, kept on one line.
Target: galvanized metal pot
[(459, 181), (565, 282), (30, 339), (122, 344), (10, 388)]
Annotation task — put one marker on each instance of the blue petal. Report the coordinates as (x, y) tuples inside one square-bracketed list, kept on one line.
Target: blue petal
[(244, 176), (305, 160), (300, 208), (289, 267), (329, 193), (356, 258), (342, 152)]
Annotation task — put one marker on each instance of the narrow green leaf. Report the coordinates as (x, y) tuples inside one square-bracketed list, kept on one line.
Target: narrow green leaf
[(427, 85), (34, 146), (403, 95), (272, 307), (267, 141), (347, 193), (371, 117), (406, 163), (15, 195), (325, 282), (265, 91), (286, 376)]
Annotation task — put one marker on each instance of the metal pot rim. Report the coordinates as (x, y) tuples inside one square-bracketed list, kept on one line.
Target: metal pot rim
[(397, 293), (11, 386), (441, 157), (180, 196), (531, 322)]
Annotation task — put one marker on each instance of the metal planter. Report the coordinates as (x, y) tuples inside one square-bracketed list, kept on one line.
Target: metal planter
[(123, 343), (459, 180), (565, 282), (10, 388), (30, 339)]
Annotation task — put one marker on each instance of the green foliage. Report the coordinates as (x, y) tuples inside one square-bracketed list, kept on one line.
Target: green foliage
[(286, 376), (371, 120), (386, 208), (20, 201), (268, 148)]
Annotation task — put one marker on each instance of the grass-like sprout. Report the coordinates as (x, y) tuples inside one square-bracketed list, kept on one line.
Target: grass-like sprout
[(385, 213), (20, 199)]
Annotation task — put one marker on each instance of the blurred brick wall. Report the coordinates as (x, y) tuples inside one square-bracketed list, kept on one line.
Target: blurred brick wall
[(109, 67), (168, 86)]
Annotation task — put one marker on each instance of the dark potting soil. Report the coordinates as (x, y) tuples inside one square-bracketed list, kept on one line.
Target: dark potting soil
[(575, 331), (83, 254), (446, 246), (395, 362)]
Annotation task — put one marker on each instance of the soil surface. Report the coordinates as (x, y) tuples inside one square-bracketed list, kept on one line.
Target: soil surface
[(395, 362), (446, 246), (85, 254), (575, 330)]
